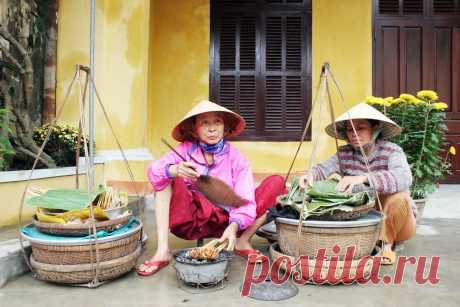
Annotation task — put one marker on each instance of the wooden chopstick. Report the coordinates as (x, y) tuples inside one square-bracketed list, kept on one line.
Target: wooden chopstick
[(177, 153)]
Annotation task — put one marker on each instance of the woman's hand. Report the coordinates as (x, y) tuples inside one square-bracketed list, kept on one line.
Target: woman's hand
[(185, 170), (347, 183), (305, 180), (335, 176), (230, 235)]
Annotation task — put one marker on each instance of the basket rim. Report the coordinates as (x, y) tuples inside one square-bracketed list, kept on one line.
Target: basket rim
[(76, 241), (353, 262), (70, 227), (175, 253), (69, 268), (373, 218)]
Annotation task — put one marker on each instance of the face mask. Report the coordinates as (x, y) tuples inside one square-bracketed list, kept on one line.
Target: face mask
[(216, 148), (374, 137)]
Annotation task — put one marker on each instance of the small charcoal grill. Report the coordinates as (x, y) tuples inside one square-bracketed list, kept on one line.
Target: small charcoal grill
[(205, 273)]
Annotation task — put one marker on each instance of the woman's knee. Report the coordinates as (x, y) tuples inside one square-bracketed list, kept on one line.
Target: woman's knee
[(275, 184), (397, 197), (395, 202)]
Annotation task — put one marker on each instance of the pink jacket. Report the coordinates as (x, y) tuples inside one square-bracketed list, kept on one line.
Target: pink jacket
[(229, 165)]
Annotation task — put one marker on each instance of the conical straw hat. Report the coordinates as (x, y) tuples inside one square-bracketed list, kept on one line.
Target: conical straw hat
[(364, 111), (182, 131)]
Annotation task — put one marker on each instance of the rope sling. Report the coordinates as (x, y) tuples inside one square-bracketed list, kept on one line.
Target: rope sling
[(95, 261), (323, 89)]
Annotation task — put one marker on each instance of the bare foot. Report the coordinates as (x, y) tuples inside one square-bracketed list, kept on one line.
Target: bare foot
[(242, 244), (159, 256)]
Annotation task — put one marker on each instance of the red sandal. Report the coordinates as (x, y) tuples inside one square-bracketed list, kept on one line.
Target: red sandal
[(158, 264), (246, 252)]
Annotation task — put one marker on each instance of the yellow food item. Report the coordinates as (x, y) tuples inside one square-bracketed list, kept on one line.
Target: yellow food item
[(99, 214), (69, 216), (48, 218), (209, 253)]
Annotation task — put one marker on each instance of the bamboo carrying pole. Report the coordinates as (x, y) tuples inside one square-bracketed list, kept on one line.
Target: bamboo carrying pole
[(89, 166), (323, 88)]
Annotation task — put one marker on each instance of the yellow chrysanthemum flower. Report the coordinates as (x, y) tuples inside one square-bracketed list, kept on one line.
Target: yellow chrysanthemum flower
[(440, 105), (372, 100), (369, 99), (427, 94), (388, 100), (407, 97), (452, 151), (397, 101), (375, 100), (417, 101)]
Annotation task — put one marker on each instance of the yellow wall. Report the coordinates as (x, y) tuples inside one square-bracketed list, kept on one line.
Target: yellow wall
[(179, 70), (121, 70), (12, 193), (152, 65), (179, 60)]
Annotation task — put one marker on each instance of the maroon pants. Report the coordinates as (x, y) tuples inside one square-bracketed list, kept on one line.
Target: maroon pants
[(192, 216)]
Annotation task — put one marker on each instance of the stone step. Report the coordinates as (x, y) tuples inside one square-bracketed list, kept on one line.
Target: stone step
[(12, 262)]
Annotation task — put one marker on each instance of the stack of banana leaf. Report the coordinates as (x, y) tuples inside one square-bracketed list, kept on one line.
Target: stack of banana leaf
[(322, 197), (64, 206)]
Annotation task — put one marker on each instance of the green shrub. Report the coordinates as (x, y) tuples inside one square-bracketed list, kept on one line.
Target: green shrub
[(6, 150), (423, 136), (62, 143)]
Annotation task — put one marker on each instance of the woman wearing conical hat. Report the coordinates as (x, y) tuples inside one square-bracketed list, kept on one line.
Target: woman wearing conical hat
[(364, 127), (183, 209)]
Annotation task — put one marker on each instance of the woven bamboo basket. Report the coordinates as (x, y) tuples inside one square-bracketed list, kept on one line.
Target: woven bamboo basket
[(338, 215), (81, 254), (79, 229), (362, 233), (84, 273), (356, 271)]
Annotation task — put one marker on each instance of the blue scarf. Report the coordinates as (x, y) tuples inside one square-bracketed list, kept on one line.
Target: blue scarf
[(216, 148)]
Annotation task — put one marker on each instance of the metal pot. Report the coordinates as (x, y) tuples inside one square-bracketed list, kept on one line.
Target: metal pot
[(201, 272)]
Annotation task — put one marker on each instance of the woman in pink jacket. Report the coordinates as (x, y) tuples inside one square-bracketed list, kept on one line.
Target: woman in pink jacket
[(183, 209)]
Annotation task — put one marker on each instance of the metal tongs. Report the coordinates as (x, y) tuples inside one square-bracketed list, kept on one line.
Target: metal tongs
[(209, 251)]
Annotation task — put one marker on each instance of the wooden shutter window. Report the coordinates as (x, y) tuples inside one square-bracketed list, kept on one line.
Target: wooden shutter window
[(237, 58), (293, 97), (259, 54), (247, 43), (388, 7), (228, 44), (227, 91), (274, 43), (273, 104), (446, 7), (283, 85), (294, 43), (413, 7), (247, 102)]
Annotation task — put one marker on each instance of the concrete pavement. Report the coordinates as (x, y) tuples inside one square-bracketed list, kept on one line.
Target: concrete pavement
[(437, 234)]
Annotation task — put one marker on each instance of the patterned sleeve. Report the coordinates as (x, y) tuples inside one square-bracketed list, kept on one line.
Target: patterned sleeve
[(397, 178), (323, 170), (158, 172)]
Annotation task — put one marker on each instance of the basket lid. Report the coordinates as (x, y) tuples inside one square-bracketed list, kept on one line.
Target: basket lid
[(30, 233), (372, 218)]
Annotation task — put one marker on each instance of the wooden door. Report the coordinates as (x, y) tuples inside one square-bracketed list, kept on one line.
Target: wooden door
[(417, 46)]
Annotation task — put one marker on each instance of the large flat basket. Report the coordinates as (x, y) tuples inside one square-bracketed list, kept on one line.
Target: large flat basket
[(78, 230)]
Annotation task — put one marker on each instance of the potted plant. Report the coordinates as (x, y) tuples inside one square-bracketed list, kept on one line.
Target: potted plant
[(421, 118)]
